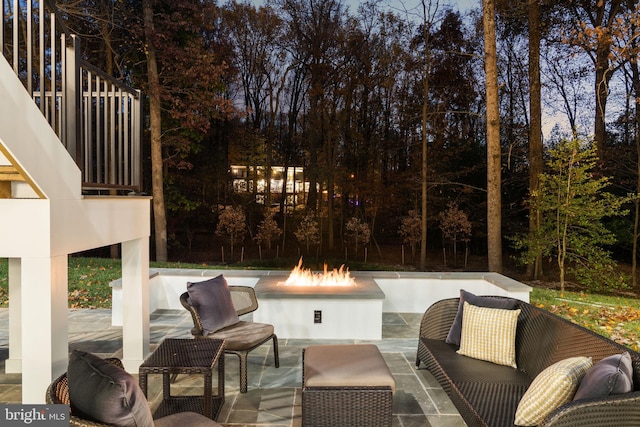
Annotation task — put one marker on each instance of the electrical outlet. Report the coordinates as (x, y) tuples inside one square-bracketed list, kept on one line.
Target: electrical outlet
[(317, 316)]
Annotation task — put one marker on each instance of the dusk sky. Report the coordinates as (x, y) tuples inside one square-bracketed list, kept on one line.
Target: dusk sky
[(409, 5)]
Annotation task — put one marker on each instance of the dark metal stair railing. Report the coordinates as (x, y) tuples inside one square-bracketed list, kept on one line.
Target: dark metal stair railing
[(97, 118)]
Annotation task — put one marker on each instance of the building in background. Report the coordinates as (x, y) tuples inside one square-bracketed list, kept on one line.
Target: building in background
[(286, 182)]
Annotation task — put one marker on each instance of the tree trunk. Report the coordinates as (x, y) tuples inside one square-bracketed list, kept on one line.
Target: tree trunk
[(159, 213), (425, 115), (603, 76), (330, 212), (636, 222), (423, 226), (562, 253), (494, 173), (534, 270), (603, 71)]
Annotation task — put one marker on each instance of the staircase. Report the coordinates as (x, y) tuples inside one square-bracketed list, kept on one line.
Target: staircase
[(95, 117), (70, 147)]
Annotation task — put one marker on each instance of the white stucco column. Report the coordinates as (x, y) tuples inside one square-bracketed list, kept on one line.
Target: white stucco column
[(13, 365), (45, 336), (135, 303)]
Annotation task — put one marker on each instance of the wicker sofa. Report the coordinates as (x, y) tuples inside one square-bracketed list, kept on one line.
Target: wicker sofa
[(487, 394)]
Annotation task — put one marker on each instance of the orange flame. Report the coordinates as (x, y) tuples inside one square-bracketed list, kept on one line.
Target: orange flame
[(302, 277)]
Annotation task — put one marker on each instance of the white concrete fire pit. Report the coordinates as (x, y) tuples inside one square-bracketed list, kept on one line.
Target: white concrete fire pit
[(321, 312)]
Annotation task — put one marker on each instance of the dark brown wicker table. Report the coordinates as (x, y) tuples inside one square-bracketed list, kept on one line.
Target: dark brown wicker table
[(186, 356)]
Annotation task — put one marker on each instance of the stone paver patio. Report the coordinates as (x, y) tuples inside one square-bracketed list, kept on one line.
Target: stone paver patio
[(273, 398)]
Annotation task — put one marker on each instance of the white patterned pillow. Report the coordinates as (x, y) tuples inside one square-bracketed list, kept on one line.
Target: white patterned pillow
[(551, 389), (489, 334)]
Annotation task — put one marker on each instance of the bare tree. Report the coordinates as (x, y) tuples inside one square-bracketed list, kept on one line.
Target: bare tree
[(256, 34), (565, 80), (594, 26)]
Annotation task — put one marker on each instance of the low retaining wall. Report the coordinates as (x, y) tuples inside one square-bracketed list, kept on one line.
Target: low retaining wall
[(405, 292)]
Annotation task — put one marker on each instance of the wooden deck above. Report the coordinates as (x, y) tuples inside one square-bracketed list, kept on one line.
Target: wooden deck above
[(8, 174)]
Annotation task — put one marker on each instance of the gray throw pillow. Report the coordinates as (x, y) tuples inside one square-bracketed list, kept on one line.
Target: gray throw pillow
[(611, 375), (103, 392), (489, 302), (212, 301)]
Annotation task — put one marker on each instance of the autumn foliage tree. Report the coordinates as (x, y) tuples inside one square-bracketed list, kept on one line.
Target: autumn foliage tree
[(232, 226), (411, 231), (268, 231), (354, 98), (308, 232), (455, 227), (595, 26), (185, 73), (358, 233)]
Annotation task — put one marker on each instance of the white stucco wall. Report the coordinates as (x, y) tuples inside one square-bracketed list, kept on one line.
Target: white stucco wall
[(405, 292), (27, 140)]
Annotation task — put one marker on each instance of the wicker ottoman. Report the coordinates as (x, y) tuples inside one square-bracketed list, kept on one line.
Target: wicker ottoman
[(346, 385)]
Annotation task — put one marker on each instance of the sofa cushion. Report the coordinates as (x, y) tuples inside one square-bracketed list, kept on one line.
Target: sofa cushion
[(212, 301), (493, 391), (103, 392), (453, 337), (489, 334), (552, 388), (461, 368), (611, 375)]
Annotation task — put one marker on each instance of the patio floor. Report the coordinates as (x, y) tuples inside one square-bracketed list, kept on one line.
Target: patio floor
[(273, 398)]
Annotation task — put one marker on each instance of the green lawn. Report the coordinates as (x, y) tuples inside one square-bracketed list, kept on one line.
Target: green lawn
[(611, 316), (615, 317), (88, 280)]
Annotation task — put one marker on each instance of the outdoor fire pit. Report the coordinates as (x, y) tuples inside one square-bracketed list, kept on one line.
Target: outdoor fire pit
[(329, 305)]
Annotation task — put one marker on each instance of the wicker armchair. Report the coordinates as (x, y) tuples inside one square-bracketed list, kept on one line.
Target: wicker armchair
[(242, 337), (58, 394)]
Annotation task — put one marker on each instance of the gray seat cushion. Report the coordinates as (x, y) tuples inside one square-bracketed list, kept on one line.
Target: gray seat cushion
[(479, 384), (467, 369), (243, 335)]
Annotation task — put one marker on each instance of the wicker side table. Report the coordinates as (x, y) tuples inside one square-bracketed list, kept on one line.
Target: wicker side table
[(186, 356)]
